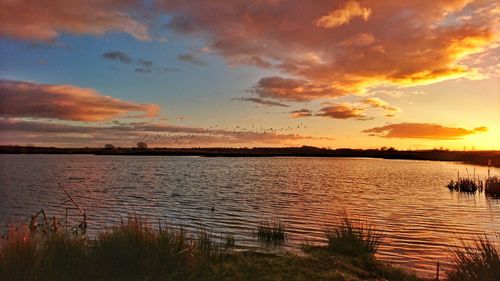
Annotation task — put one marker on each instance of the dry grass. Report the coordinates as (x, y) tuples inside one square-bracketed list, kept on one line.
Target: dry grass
[(492, 187), (132, 250), (475, 261), (354, 238), (271, 232)]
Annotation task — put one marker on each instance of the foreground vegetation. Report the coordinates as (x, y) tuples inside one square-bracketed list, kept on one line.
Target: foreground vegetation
[(492, 187), (135, 251), (479, 260), (271, 233), (352, 238)]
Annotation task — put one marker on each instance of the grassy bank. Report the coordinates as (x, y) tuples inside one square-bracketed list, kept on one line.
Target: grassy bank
[(135, 251)]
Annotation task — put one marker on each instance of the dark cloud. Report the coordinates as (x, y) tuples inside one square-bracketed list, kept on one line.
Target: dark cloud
[(170, 69), (141, 65), (145, 63), (143, 70), (118, 56), (342, 111), (191, 58), (261, 101)]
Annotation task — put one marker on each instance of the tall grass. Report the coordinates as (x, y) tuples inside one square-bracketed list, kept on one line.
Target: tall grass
[(492, 186), (271, 232), (132, 250), (476, 261), (467, 185), (353, 238)]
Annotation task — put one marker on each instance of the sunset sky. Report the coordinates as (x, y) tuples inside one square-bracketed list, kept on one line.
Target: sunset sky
[(410, 74)]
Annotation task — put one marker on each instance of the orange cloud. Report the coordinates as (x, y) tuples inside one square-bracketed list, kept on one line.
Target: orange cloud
[(422, 131), (65, 102), (390, 111), (45, 20), (300, 113), (402, 44), (343, 15), (359, 40), (342, 111), (292, 89)]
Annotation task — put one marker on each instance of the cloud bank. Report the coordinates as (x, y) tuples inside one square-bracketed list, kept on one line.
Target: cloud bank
[(127, 134), (65, 102), (336, 48), (423, 131), (45, 20)]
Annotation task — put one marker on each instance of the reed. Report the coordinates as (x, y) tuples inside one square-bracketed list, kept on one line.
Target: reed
[(271, 232), (132, 250), (467, 185), (474, 261), (492, 187), (353, 238)]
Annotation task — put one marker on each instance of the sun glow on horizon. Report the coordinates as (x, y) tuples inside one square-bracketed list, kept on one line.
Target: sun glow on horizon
[(360, 74)]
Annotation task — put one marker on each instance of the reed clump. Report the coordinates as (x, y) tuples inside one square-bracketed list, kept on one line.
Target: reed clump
[(474, 261), (132, 250), (353, 238), (492, 187), (467, 185), (271, 232)]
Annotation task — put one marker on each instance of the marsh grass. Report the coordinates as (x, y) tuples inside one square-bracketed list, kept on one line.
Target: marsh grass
[(474, 261), (467, 185), (492, 187), (273, 233), (132, 250), (353, 238)]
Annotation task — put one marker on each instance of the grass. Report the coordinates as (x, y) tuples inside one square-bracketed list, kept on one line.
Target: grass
[(354, 238), (467, 185), (133, 250), (479, 260), (492, 187), (271, 232)]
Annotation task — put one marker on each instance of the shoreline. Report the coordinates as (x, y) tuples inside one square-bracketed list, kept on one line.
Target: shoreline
[(482, 158), (134, 250)]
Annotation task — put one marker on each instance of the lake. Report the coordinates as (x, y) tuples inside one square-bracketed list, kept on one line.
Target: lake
[(406, 199)]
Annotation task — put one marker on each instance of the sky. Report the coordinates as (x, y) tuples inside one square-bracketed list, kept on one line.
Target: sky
[(408, 74)]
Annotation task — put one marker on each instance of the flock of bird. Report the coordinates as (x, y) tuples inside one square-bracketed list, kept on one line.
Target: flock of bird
[(205, 134)]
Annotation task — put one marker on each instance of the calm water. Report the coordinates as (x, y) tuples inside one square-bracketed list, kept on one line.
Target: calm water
[(406, 199)]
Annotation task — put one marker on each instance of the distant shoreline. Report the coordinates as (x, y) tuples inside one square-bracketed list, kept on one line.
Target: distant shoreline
[(470, 157)]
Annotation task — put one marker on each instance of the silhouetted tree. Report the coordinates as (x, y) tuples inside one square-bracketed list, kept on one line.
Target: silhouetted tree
[(142, 145), (109, 146)]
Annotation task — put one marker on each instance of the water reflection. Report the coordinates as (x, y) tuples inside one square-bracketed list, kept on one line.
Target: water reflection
[(408, 200)]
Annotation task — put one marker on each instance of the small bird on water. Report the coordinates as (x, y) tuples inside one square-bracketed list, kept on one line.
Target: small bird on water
[(212, 209)]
